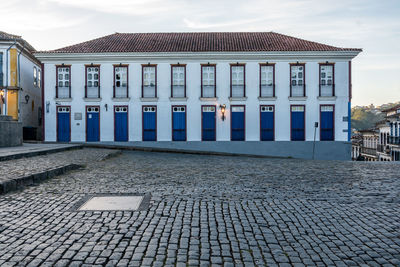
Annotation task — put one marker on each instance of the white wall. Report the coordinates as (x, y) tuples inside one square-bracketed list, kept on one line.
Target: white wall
[(282, 103)]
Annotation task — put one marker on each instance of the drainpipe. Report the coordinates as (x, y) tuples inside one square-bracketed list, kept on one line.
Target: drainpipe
[(6, 85)]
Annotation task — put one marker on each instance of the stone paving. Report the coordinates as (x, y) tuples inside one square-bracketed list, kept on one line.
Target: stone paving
[(209, 210)]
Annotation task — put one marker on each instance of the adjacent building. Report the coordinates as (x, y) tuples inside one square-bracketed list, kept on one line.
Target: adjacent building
[(258, 93), (20, 84)]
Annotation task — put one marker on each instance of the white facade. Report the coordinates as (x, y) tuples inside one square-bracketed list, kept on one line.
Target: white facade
[(193, 61)]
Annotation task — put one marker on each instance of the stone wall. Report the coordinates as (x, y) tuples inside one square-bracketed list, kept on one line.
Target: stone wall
[(10, 132)]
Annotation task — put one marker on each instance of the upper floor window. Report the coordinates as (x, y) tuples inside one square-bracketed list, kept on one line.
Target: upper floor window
[(120, 81), (238, 81), (93, 81), (178, 79), (35, 80), (326, 80), (208, 88), (63, 87), (297, 80), (149, 81), (267, 80), (39, 78)]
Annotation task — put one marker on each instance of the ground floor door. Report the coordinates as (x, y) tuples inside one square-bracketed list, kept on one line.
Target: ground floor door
[(208, 123), (121, 123), (92, 123), (297, 118), (237, 123), (63, 124), (178, 123), (267, 123), (327, 123), (149, 123)]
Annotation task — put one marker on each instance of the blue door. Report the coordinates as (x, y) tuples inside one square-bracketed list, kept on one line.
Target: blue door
[(237, 123), (267, 123), (149, 123), (178, 123), (121, 123), (297, 123), (92, 124), (208, 123), (63, 124), (327, 123)]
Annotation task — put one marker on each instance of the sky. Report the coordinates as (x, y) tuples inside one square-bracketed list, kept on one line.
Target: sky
[(373, 25)]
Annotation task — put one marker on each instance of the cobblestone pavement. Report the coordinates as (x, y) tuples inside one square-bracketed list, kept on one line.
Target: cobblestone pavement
[(25, 166), (209, 210)]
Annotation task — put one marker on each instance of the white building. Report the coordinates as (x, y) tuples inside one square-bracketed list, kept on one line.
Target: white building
[(393, 142), (20, 82), (264, 90)]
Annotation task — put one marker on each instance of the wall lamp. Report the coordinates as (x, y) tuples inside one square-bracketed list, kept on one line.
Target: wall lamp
[(223, 108), (106, 106), (2, 95), (27, 98)]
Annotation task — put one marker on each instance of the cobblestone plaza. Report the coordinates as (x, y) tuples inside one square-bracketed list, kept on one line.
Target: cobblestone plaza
[(203, 210)]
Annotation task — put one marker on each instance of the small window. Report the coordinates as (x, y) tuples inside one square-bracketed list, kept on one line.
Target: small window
[(208, 81), (39, 78), (237, 81), (178, 81), (63, 82), (326, 80), (297, 80), (92, 82), (121, 82), (149, 81), (35, 79), (267, 81)]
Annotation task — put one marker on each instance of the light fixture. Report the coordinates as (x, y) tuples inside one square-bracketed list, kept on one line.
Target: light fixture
[(106, 106), (2, 95), (91, 64), (27, 98), (223, 108)]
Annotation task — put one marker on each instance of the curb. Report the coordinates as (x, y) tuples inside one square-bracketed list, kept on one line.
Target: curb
[(20, 182), (38, 153)]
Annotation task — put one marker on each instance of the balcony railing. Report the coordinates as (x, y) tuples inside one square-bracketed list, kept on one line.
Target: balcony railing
[(394, 140), (369, 151)]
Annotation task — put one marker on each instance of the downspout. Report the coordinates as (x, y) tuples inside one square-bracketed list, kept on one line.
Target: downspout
[(6, 85)]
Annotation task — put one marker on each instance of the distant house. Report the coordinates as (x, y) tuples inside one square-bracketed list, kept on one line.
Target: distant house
[(251, 92), (369, 144), (20, 84), (392, 131)]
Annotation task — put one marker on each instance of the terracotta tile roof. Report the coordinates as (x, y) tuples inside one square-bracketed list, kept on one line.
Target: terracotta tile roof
[(197, 42), (12, 37)]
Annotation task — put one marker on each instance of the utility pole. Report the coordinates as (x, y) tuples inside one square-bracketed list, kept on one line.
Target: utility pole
[(315, 132)]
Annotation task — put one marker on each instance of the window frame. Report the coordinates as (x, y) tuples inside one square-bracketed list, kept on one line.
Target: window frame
[(333, 76), (304, 77), (333, 121), (39, 78), (86, 87), (63, 66), (155, 78), (244, 77), (215, 78), (35, 73), (172, 79), (273, 77), (127, 78)]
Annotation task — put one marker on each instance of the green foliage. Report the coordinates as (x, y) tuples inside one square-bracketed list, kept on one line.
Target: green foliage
[(364, 118)]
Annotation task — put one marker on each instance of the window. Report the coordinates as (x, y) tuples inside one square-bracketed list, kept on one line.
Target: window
[(326, 80), (267, 80), (238, 81), (35, 81), (149, 81), (178, 80), (120, 81), (93, 81), (208, 88), (297, 78), (63, 87), (39, 78)]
